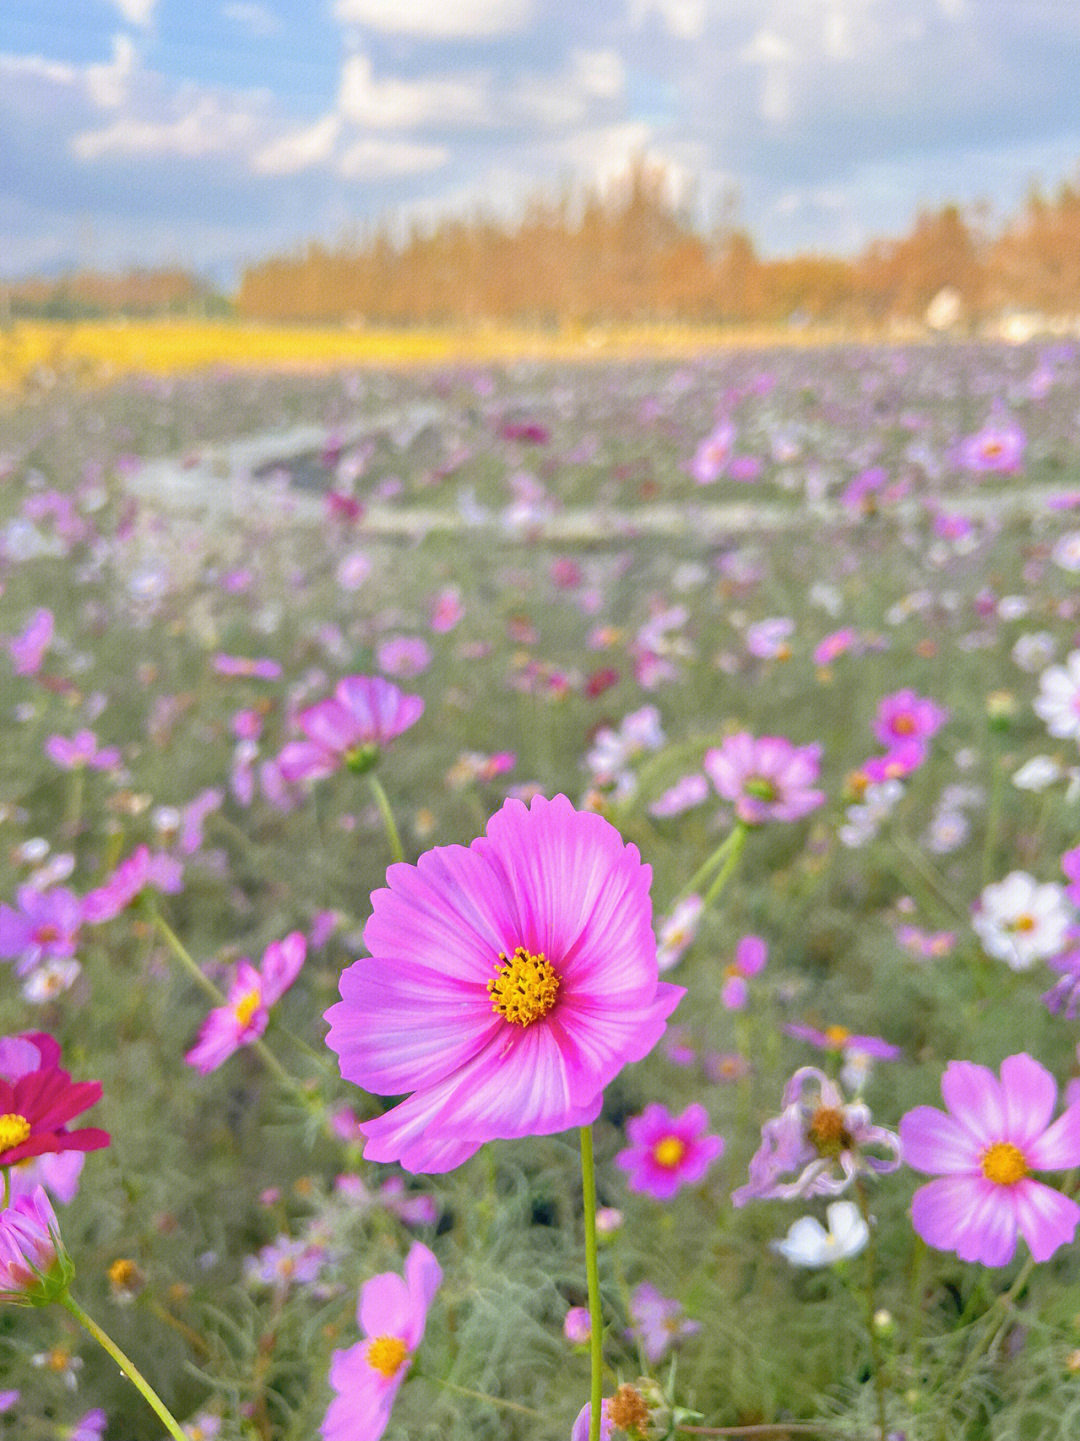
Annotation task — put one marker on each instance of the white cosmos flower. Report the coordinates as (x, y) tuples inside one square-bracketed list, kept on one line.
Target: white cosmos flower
[(809, 1244), (1020, 921), (1037, 773), (1058, 701)]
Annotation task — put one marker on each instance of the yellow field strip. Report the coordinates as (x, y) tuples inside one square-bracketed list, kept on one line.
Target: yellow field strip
[(102, 350)]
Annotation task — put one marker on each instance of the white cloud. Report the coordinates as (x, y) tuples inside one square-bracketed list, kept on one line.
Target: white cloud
[(257, 20), (405, 104), (553, 102), (598, 73), (37, 67), (108, 85), (683, 18), (776, 56), (136, 12), (299, 149), (207, 128), (437, 18), (377, 159)]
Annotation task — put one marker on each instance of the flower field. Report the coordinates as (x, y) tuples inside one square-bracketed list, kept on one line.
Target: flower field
[(562, 882)]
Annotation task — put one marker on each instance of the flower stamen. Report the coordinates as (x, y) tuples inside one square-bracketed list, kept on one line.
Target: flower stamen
[(14, 1130), (246, 1006), (828, 1131), (387, 1354), (669, 1151), (525, 986), (1004, 1164)]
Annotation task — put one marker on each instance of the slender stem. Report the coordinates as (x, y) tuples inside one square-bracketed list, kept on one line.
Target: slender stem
[(127, 1366), (705, 870), (388, 816), (987, 1340), (483, 1396), (738, 841), (592, 1272), (871, 1305), (7, 1188)]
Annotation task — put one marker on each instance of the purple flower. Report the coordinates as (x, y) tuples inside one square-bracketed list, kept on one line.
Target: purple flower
[(581, 1427), (983, 1148), (46, 924), (403, 655), (766, 777), (998, 446), (692, 790), (713, 454), (817, 1135), (751, 953), (28, 648), (90, 1427), (658, 1322), (843, 1041), (81, 750), (667, 1152), (244, 1018), (364, 715), (285, 1262), (247, 668)]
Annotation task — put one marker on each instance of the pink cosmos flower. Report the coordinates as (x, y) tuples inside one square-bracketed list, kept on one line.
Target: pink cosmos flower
[(142, 869), (713, 454), (843, 1041), (28, 648), (82, 749), (46, 924), (58, 1172), (392, 1314), (905, 716), (403, 655), (834, 645), (446, 610), (246, 667), (508, 982), (767, 777), (751, 953), (983, 1148), (998, 446), (245, 1016), (692, 790), (89, 1427), (817, 1134), (659, 1322), (364, 714), (768, 639), (581, 1428), (668, 1152), (34, 1267), (900, 760)]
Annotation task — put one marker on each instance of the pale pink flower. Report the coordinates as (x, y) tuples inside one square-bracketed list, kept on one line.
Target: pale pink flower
[(244, 1017)]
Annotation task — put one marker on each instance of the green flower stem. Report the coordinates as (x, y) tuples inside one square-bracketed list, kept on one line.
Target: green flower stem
[(7, 1188), (261, 1049), (388, 816), (871, 1305), (731, 860), (515, 1406), (592, 1271), (129, 1369), (999, 1312), (705, 870)]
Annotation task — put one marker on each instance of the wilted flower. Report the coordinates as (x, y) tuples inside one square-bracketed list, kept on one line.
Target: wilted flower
[(822, 1137)]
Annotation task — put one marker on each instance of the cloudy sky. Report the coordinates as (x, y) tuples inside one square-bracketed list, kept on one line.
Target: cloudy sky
[(212, 132)]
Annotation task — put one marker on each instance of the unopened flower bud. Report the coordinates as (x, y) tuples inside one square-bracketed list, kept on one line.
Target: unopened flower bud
[(35, 1269)]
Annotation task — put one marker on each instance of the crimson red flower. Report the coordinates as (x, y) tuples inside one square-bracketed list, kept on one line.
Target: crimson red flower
[(39, 1100)]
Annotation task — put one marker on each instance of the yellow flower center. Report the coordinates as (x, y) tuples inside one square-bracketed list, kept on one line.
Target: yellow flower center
[(903, 725), (837, 1036), (58, 1359), (13, 1131), (525, 987), (387, 1354), (828, 1132), (669, 1152), (1003, 1163), (1024, 924), (246, 1006)]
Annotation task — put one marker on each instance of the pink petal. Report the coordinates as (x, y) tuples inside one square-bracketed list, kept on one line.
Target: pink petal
[(1029, 1092), (973, 1095), (1058, 1148), (956, 1213), (384, 1308), (1046, 1218), (937, 1143)]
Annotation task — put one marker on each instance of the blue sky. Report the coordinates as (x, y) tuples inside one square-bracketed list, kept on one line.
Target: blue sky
[(212, 132)]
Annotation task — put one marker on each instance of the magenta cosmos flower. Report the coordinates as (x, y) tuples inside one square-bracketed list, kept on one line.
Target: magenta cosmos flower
[(667, 1152), (767, 777), (36, 1105), (246, 1013), (392, 1315), (509, 981), (364, 714), (983, 1149), (906, 717)]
